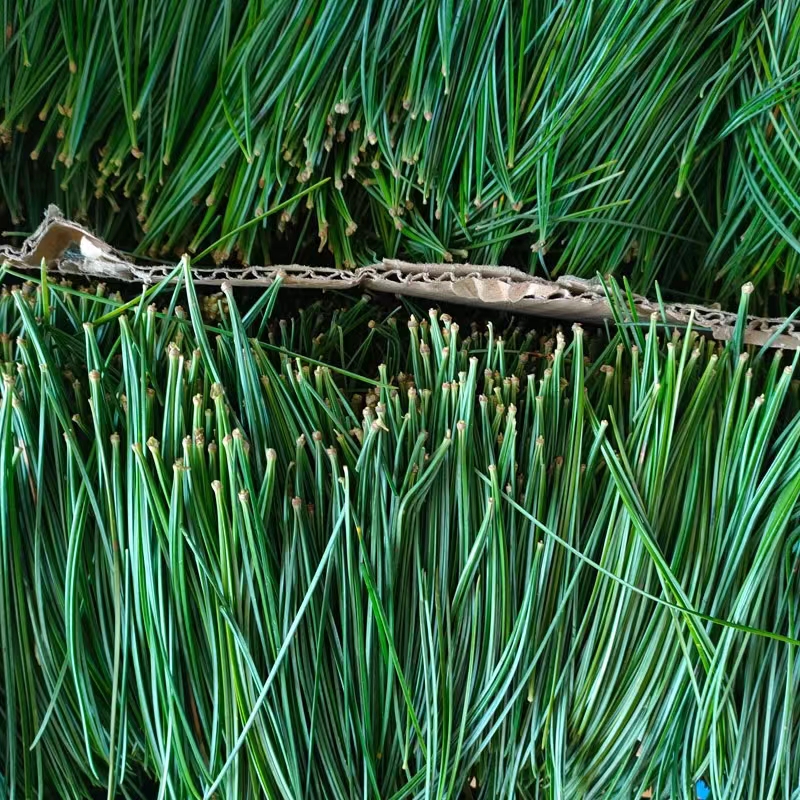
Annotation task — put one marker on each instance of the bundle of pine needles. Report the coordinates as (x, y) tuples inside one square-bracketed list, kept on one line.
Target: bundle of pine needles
[(659, 136), (358, 554)]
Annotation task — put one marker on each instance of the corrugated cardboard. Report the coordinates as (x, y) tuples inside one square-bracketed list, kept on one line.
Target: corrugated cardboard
[(72, 250)]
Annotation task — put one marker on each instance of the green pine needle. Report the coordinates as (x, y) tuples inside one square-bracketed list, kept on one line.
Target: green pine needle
[(659, 140), (337, 555)]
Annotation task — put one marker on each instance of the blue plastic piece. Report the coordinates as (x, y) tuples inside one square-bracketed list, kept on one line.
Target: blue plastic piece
[(703, 790)]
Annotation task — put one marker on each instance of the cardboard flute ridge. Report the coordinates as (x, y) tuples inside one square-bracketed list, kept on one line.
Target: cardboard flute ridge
[(72, 250)]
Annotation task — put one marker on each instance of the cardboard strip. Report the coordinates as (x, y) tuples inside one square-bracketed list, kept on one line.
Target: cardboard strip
[(71, 249)]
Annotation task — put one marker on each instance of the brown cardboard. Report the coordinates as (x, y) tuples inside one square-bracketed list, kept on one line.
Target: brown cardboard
[(72, 250)]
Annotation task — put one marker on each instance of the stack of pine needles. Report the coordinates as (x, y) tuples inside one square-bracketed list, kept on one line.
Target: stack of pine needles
[(659, 137), (357, 554)]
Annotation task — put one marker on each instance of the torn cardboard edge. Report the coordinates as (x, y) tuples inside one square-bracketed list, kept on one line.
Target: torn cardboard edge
[(72, 250)]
